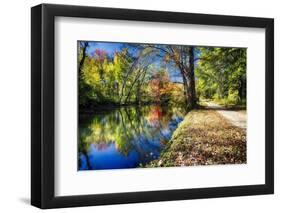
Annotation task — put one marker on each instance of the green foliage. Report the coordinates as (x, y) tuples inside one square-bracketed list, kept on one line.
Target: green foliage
[(233, 97), (221, 74), (119, 80), (102, 76)]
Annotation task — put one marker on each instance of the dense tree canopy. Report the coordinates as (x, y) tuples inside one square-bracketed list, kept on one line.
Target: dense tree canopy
[(164, 74), (221, 74)]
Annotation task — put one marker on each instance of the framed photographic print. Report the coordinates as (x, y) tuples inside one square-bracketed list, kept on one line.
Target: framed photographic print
[(140, 106)]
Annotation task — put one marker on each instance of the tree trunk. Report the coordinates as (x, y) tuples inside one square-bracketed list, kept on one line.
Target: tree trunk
[(241, 90), (83, 98), (185, 88), (83, 57), (138, 93), (191, 94), (134, 82)]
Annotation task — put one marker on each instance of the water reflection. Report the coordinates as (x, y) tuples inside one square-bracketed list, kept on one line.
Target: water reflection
[(126, 137)]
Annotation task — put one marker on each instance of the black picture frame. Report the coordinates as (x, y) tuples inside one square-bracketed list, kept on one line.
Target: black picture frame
[(43, 102)]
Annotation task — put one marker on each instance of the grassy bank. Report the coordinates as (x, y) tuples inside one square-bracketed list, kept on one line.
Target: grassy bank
[(204, 137)]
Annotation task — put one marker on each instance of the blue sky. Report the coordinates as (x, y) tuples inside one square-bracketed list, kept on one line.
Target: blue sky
[(110, 48)]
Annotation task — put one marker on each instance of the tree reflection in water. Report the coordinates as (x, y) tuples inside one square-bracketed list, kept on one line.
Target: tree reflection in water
[(126, 137)]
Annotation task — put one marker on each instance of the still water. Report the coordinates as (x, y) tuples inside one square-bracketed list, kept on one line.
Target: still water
[(127, 137)]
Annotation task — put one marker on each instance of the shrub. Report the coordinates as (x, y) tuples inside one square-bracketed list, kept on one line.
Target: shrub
[(233, 97)]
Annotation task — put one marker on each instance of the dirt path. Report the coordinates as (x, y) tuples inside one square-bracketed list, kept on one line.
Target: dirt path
[(237, 118)]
